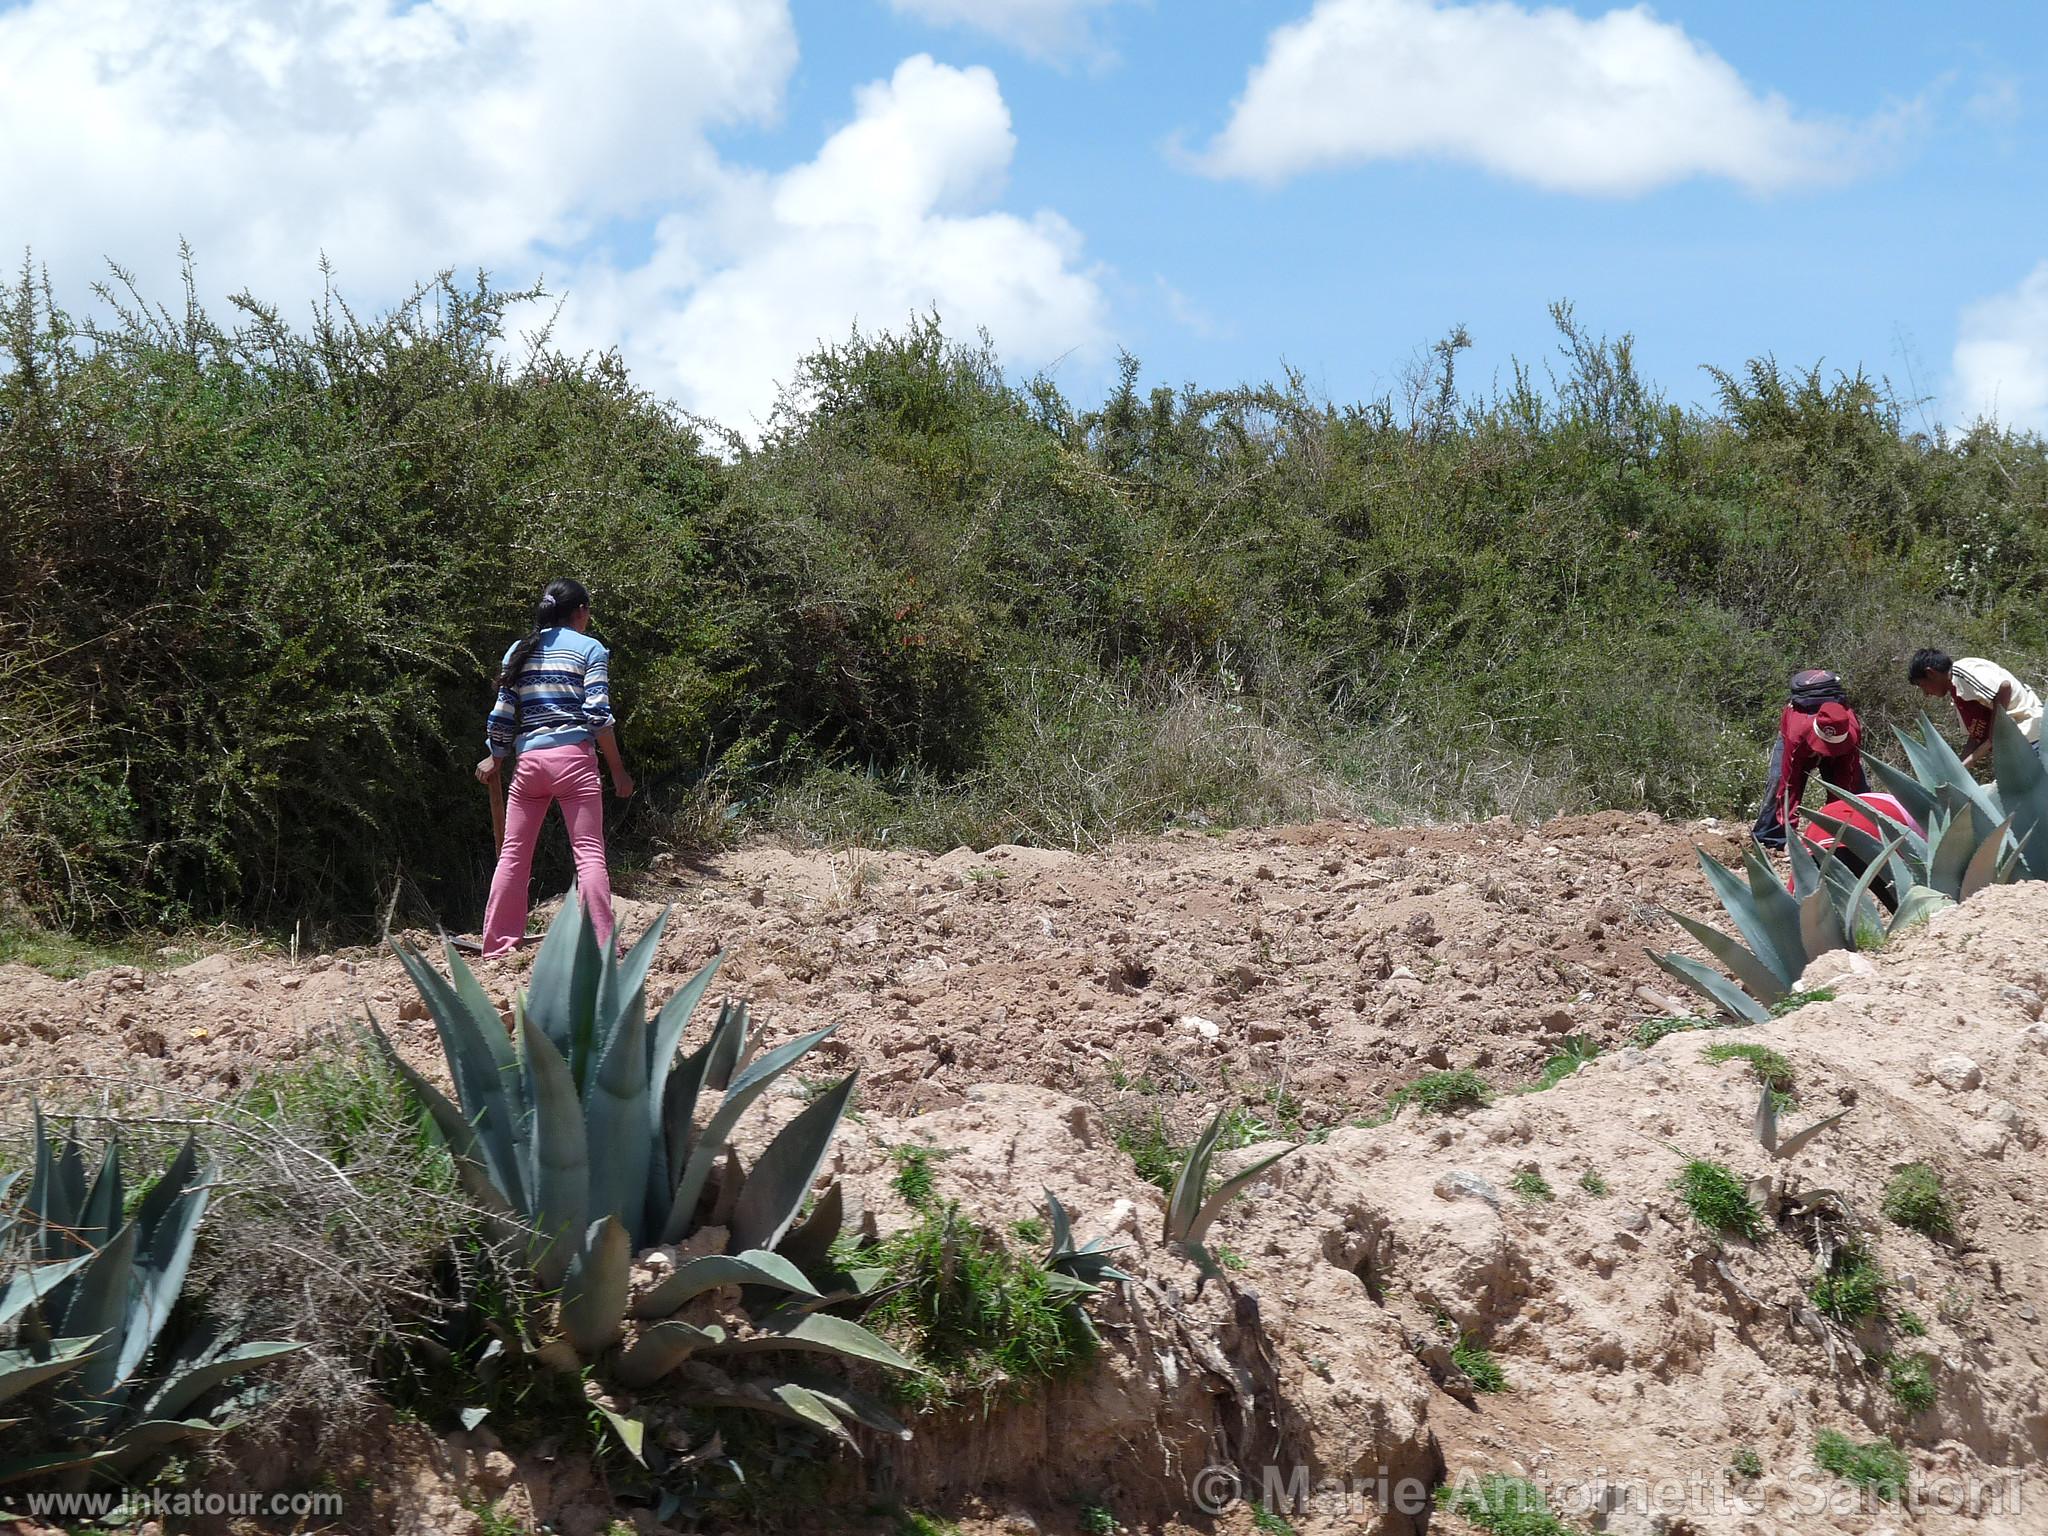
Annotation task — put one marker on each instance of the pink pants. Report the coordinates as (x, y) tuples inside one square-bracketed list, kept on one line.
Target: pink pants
[(567, 774)]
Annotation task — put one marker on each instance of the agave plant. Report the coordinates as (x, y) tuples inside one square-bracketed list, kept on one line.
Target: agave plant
[(1829, 907), (1969, 835), (86, 1308), (580, 1135), (1083, 1270), (1192, 1205)]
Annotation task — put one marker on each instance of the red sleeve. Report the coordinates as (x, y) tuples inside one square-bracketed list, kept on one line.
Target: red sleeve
[(1976, 718), (1799, 760)]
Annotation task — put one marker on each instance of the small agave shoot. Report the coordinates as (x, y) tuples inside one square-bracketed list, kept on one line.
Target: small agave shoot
[(87, 1375), (582, 1136), (1192, 1206), (1083, 1271)]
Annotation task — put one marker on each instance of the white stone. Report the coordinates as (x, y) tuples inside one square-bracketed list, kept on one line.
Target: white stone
[(1208, 1029), (1955, 1072)]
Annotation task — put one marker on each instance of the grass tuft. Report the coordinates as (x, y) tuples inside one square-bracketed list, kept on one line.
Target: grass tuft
[(1479, 1365), (1718, 1199), (1746, 1463), (1876, 1465), (1768, 1066), (1915, 1198), (1532, 1187), (1445, 1093), (1501, 1505), (1910, 1381), (1573, 1053), (1911, 1324), (1592, 1183), (1852, 1289)]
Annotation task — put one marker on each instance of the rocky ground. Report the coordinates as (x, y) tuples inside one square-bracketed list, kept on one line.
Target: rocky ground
[(1013, 1009)]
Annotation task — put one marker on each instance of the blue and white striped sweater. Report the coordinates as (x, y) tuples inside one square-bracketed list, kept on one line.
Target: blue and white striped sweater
[(561, 696)]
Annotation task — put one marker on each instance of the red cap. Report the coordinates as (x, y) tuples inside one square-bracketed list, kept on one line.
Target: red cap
[(1831, 723)]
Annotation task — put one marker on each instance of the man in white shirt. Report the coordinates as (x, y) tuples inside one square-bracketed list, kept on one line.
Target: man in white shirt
[(1980, 689)]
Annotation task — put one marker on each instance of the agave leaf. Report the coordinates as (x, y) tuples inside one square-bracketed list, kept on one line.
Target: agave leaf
[(1820, 925), (480, 1062), (1757, 978), (1859, 896), (780, 1400), (1228, 1191), (1907, 865), (679, 1097), (1750, 922), (1767, 1119), (1184, 1203), (562, 988), (1062, 1226), (1792, 1145), (1858, 910), (728, 1045), (7, 1216), (1952, 855), (1918, 907), (808, 1245), (659, 1350), (102, 1211), (53, 1461), (849, 1402), (1805, 873), (696, 1276), (616, 1094), (623, 987), (142, 1442), (2023, 790), (746, 1087), (817, 1333), (32, 1285), (1983, 866), (168, 1219), (181, 1391), (99, 1309), (672, 1021), (1916, 797), (594, 1293), (775, 1188), (1938, 765), (559, 1173), (1713, 986), (1778, 912), (20, 1369), (478, 1182), (1059, 1283), (632, 1432)]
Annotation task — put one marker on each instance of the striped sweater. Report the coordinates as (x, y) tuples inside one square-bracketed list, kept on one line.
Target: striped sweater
[(561, 696)]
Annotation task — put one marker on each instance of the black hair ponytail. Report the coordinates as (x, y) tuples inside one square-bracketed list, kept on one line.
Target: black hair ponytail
[(560, 602)]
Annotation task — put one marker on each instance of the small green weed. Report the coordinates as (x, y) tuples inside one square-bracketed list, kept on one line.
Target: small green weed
[(1718, 1200), (1031, 1229), (1876, 1465), (1767, 1065), (1098, 1520), (1145, 1141), (1851, 1290), (1504, 1506), (1229, 1258), (913, 1179), (1650, 1031), (1532, 1187), (912, 1523), (1914, 1198), (1572, 1053), (1591, 1182), (1798, 1000), (1479, 1365), (1910, 1324), (1270, 1522), (1910, 1382), (492, 1521), (1746, 1463), (1445, 1093)]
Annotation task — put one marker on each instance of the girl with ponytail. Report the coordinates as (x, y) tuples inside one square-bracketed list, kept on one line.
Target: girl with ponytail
[(554, 711)]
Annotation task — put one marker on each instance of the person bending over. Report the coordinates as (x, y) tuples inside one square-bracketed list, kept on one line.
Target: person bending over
[(1980, 690), (1816, 729)]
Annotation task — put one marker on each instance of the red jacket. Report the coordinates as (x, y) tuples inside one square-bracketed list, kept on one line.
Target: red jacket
[(1840, 762)]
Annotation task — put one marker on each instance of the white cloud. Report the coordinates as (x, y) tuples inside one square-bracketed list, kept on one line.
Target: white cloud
[(2000, 366), (890, 218), (1045, 29), (400, 137), (1612, 105)]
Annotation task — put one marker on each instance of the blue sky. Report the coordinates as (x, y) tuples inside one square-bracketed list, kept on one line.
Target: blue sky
[(1218, 186)]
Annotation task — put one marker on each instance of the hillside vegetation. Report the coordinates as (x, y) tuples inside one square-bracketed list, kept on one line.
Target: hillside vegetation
[(254, 574)]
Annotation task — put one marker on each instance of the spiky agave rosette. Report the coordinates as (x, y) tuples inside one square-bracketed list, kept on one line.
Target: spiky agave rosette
[(579, 1133)]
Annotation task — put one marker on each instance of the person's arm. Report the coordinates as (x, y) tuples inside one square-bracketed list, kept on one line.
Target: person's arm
[(608, 746), (500, 731)]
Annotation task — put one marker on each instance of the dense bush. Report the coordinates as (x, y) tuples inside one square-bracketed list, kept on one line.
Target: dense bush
[(256, 575)]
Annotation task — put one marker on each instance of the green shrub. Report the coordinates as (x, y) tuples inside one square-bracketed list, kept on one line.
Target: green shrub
[(1910, 1381), (1573, 1053), (988, 1324), (1445, 1093), (1144, 1139), (1718, 1199), (913, 1180), (1746, 1463), (1877, 1465), (1592, 1183), (1851, 1290), (1910, 1324), (1914, 1198), (1504, 1506)]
